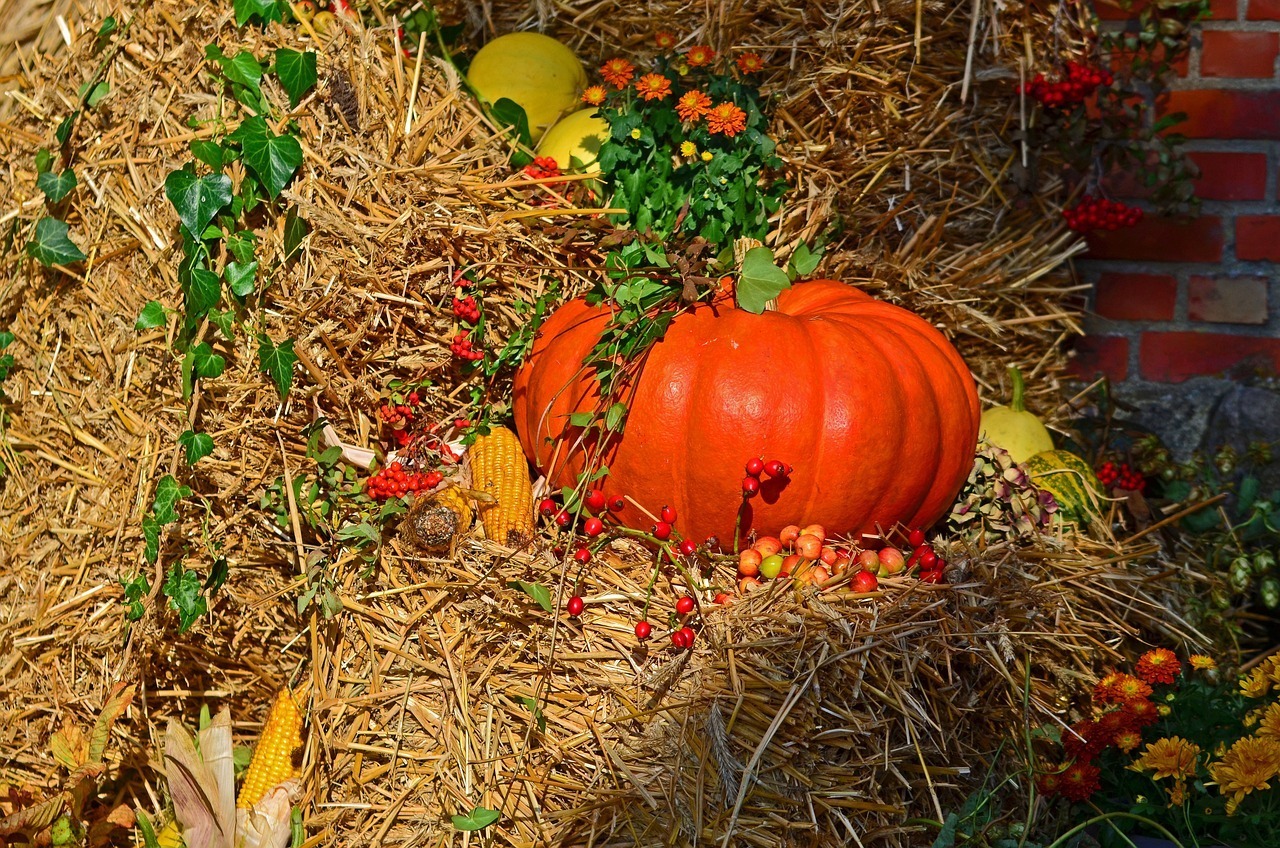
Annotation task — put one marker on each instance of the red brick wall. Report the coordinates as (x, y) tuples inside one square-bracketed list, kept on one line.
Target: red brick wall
[(1176, 299)]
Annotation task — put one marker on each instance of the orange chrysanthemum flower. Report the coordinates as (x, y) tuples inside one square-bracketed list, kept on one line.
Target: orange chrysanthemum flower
[(699, 55), (1142, 712), (750, 63), (726, 118), (653, 87), (1202, 663), (1159, 665), (1049, 783), (1084, 740), (664, 40), (593, 95), (1113, 722), (692, 105), (1130, 688), (1080, 781), (1127, 740), (1105, 690), (617, 72)]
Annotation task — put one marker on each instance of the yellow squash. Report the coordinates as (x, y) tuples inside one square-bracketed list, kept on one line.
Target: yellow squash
[(1013, 428), (575, 141), (539, 73)]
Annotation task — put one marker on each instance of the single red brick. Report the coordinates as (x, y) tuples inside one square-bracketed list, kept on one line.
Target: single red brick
[(1228, 300), (1239, 54), (1230, 176), (1174, 357), (1223, 10), (1218, 113), (1258, 238), (1161, 240), (1105, 355), (1264, 10), (1136, 297)]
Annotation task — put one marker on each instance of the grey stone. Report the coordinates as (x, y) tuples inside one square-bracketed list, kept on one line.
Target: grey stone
[(1246, 414), (1179, 413)]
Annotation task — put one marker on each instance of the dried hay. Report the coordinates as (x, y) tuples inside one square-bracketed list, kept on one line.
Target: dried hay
[(796, 720)]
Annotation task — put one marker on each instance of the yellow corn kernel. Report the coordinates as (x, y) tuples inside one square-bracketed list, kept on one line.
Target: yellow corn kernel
[(499, 469), (438, 521), (170, 836), (273, 758)]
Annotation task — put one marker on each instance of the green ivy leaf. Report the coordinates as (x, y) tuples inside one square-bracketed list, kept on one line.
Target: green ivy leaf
[(186, 596), (56, 186), (203, 293), (208, 152), (242, 244), (206, 363), (6, 361), (297, 73), (196, 445), (44, 160), (761, 280), (266, 11), (274, 158), (135, 589), (108, 26), (51, 244), (197, 199), (803, 262), (224, 320), (536, 591), (65, 127), (152, 315), (94, 94), (478, 819), (240, 277), (277, 361), (295, 230), (241, 68), (151, 538), (168, 492)]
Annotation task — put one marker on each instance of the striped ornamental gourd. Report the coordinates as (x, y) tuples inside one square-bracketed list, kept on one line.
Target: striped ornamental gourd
[(1071, 482), (499, 469), (273, 758)]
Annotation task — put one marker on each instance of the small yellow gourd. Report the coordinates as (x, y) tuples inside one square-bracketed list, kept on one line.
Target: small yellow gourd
[(1012, 427), (575, 141)]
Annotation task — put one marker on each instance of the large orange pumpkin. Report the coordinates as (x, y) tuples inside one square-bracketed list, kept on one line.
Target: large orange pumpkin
[(873, 407)]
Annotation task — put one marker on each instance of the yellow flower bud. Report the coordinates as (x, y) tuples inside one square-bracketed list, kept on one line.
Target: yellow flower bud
[(706, 156), (635, 133)]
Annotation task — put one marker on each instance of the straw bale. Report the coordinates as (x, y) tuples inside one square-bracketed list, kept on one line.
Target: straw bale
[(825, 716)]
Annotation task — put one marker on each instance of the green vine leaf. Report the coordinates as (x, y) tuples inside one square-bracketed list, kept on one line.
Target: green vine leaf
[(196, 446), (277, 361), (265, 10), (56, 186), (207, 364), (240, 277), (152, 315), (241, 68), (203, 293), (168, 492), (65, 126), (478, 819), (295, 230), (541, 594), (209, 152), (761, 280), (297, 73), (273, 158), (197, 199), (186, 596), (93, 96), (52, 246)]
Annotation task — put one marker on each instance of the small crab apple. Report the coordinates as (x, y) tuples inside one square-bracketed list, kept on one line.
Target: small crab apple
[(750, 487), (721, 598), (755, 466), (749, 562), (788, 535), (815, 530), (864, 581), (891, 560), (869, 560), (746, 584), (808, 546), (829, 556), (594, 500), (576, 605), (768, 545)]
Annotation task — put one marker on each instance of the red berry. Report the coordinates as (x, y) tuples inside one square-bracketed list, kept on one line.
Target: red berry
[(582, 555), (688, 636), (931, 575), (662, 530), (595, 500), (915, 538), (750, 487), (928, 560), (685, 605), (774, 468), (576, 605), (755, 466), (643, 629), (413, 398), (688, 547), (563, 518), (668, 515), (593, 527), (677, 638), (546, 506), (721, 598), (617, 504)]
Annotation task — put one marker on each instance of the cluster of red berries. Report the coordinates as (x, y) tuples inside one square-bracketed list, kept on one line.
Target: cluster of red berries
[(398, 417), (466, 309), (395, 482), (1077, 83), (1121, 476), (923, 555), (757, 466), (463, 348), (1099, 213), (543, 167)]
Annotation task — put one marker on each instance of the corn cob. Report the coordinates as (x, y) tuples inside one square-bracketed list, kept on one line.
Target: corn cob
[(272, 762), (170, 836), (499, 468), (437, 522)]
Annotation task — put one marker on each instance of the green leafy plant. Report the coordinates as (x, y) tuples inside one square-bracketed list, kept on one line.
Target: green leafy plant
[(688, 153)]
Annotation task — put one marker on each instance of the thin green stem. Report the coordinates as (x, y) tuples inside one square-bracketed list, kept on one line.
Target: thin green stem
[(1107, 817)]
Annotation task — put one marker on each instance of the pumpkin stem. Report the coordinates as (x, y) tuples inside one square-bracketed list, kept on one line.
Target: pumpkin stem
[(1019, 389)]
